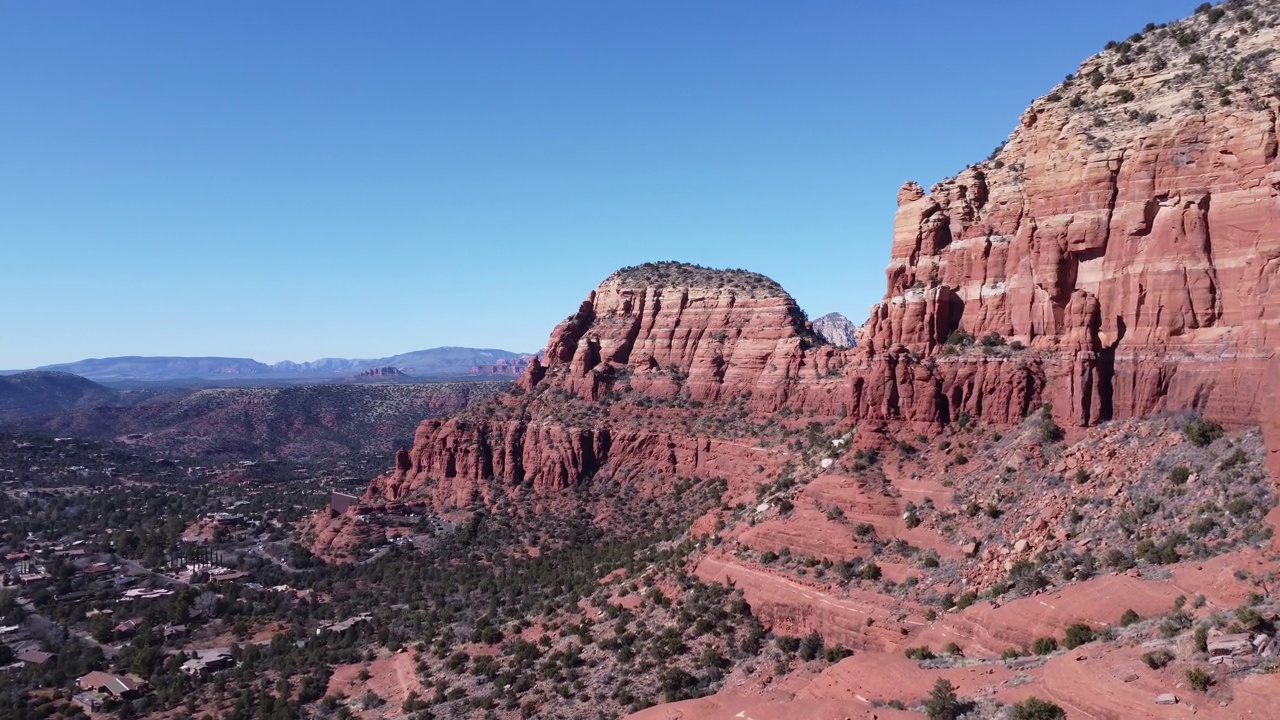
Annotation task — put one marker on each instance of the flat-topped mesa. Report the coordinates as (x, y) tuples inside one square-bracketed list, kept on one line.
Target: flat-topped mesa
[(1128, 232), (664, 327)]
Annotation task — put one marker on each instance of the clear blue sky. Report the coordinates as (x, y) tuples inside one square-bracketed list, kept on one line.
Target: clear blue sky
[(310, 179)]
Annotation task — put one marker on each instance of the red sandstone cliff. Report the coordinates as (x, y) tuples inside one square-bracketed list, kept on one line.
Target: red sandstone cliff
[(677, 335), (1118, 255), (670, 327), (1128, 232)]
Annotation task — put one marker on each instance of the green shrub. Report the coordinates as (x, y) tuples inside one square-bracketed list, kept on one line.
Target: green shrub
[(1129, 617), (1199, 679), (1180, 475), (1166, 552), (1240, 506), (920, 653), (1173, 625), (1157, 659), (1202, 526), (1119, 560), (1049, 430), (942, 703), (1201, 432), (1026, 578), (1237, 457), (960, 338), (811, 646), (836, 654), (1077, 635), (1033, 708), (1044, 645), (1250, 619)]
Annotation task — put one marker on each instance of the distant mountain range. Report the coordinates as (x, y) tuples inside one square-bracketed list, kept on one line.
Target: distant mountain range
[(293, 421), (435, 362)]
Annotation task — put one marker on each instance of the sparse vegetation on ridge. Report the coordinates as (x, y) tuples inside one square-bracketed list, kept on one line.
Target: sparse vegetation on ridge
[(678, 274)]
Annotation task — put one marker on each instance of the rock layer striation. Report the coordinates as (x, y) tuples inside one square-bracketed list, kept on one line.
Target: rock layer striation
[(1115, 258)]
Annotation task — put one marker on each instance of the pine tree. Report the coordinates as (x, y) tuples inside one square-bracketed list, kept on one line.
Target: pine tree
[(942, 703)]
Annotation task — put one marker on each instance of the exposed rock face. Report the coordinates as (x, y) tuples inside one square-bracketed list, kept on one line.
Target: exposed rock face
[(504, 367), (668, 327), (1270, 421), (1131, 239), (662, 332), (403, 462), (836, 329), (1116, 258)]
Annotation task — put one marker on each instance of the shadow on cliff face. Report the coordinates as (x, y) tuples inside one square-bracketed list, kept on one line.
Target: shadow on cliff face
[(1269, 419)]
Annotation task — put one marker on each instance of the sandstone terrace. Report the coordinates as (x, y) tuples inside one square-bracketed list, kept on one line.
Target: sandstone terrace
[(1036, 515)]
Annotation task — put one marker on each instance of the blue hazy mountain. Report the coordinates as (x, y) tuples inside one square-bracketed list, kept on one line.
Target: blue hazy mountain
[(434, 362)]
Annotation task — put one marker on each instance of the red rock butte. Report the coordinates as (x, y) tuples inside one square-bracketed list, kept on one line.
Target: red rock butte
[(1115, 258)]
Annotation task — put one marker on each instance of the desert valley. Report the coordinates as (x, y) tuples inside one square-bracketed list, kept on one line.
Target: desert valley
[(1038, 482)]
